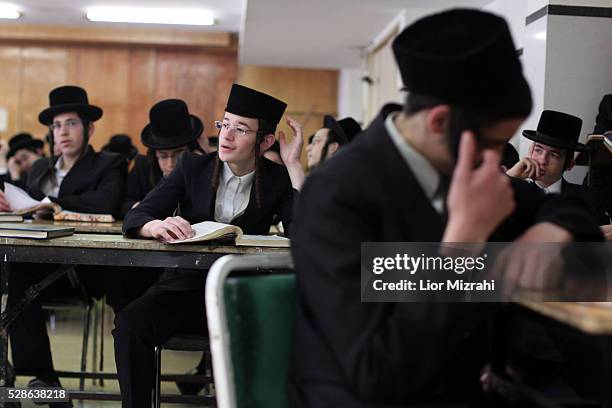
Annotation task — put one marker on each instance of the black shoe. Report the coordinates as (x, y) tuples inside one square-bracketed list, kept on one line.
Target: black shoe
[(38, 383), (190, 388)]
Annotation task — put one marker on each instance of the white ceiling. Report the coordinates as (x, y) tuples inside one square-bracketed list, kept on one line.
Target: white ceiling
[(295, 33), (324, 33)]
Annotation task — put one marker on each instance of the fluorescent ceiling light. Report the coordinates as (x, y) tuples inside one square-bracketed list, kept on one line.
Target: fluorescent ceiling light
[(151, 15), (9, 11), (540, 35)]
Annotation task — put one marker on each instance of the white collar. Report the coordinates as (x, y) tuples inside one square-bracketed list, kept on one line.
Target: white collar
[(427, 176), (228, 174)]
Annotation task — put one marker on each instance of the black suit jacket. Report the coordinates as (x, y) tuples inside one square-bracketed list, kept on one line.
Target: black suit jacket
[(93, 185), (138, 183), (586, 193), (603, 122), (354, 354), (188, 188)]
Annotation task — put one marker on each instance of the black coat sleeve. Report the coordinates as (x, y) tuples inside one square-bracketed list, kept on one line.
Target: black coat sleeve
[(161, 202), (569, 211), (105, 194), (137, 185)]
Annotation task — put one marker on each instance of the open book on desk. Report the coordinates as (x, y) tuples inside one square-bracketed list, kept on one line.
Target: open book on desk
[(210, 231)]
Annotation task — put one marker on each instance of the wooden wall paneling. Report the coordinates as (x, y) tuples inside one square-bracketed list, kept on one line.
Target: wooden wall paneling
[(309, 93), (141, 92), (195, 78), (43, 69), (227, 73), (10, 72), (104, 73)]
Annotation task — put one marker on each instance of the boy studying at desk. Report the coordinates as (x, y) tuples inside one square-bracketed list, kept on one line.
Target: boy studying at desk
[(236, 186), (81, 179)]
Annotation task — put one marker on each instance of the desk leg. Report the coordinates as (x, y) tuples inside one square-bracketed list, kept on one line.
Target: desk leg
[(606, 385), (6, 380)]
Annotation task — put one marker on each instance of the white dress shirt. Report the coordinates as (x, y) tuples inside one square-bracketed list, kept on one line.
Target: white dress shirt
[(426, 175), (232, 195), (51, 187), (553, 188)]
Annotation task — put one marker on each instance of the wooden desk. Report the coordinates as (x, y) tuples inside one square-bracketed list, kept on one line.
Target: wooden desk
[(591, 318), (106, 250), (86, 227)]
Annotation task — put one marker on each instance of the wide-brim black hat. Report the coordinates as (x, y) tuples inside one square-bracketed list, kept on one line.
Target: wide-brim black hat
[(171, 126), (464, 57), (23, 141), (557, 129), (253, 104), (69, 99), (347, 127), (121, 144)]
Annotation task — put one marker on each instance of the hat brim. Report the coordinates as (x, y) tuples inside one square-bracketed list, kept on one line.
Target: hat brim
[(91, 112), (158, 143), (28, 144), (553, 141)]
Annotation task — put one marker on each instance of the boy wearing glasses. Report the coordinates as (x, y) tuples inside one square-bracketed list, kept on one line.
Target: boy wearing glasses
[(236, 186), (81, 180)]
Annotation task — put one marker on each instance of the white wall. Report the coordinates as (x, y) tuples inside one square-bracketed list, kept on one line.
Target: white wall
[(571, 69), (514, 11), (350, 94)]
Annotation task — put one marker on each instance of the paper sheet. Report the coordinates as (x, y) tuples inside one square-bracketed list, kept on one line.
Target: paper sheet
[(19, 199)]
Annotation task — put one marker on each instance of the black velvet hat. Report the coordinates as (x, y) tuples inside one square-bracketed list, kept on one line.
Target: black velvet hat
[(557, 129), (171, 125), (464, 56), (69, 99), (253, 104), (347, 128), (23, 141), (121, 144)]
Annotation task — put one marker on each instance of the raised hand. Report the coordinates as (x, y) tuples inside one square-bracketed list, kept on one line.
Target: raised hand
[(480, 198), (525, 168)]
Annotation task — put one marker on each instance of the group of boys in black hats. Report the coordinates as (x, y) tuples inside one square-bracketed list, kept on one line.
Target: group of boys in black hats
[(427, 171)]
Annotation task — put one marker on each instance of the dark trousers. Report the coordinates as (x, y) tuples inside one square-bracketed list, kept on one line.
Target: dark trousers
[(149, 321), (30, 345), (28, 333)]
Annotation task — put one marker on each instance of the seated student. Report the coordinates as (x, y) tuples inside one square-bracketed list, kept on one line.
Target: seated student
[(551, 154), (82, 180), (327, 140), (24, 150), (170, 131), (389, 185), (235, 186), (122, 144)]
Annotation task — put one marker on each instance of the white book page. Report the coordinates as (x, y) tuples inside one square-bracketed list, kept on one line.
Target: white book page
[(19, 199), (204, 229)]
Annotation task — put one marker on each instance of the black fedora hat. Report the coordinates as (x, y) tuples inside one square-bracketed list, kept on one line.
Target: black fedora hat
[(171, 125), (69, 99), (247, 102), (465, 57), (121, 144), (347, 128), (557, 129), (23, 141)]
